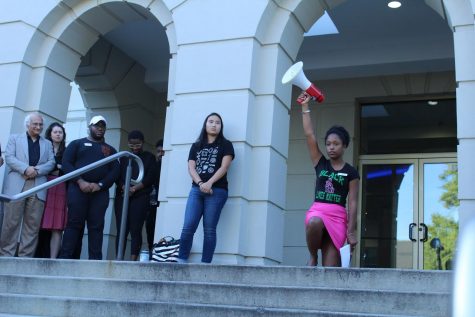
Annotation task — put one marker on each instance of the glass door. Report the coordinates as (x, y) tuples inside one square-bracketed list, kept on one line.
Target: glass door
[(408, 213), (388, 204), (439, 213)]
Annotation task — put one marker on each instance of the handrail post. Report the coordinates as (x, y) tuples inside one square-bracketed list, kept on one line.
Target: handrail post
[(125, 209)]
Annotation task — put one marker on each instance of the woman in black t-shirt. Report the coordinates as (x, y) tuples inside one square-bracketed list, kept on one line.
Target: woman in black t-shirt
[(208, 162), (327, 223)]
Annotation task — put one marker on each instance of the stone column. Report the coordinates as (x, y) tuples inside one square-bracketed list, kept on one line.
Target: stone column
[(461, 17), (23, 71), (242, 68)]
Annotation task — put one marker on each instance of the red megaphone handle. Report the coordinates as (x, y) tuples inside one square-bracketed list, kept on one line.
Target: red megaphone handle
[(315, 92), (301, 99)]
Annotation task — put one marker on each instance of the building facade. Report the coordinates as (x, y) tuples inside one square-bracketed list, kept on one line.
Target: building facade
[(229, 57)]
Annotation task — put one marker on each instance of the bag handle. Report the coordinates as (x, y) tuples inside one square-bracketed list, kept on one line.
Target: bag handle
[(164, 239)]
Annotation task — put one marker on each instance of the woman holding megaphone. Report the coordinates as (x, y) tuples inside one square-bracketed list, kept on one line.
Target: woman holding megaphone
[(328, 225)]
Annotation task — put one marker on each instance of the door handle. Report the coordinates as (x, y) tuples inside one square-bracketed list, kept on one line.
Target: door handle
[(425, 232), (411, 226)]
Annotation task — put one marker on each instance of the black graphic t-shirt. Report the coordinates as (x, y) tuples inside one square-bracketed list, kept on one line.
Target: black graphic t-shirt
[(332, 186), (208, 160)]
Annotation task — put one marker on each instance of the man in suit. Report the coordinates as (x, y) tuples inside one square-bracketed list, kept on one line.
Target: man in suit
[(29, 158)]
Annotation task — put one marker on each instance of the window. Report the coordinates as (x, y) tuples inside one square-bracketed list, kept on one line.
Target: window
[(422, 126)]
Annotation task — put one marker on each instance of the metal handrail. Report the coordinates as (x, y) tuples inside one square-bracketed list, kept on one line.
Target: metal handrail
[(87, 168), (463, 304), (76, 173)]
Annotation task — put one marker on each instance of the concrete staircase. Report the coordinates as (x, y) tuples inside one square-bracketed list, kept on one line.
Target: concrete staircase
[(34, 287)]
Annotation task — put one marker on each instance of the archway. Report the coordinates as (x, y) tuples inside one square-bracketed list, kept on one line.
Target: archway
[(346, 74), (121, 76)]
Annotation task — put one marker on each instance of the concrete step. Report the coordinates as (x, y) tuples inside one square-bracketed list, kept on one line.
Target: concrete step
[(355, 300), (15, 315), (14, 305), (372, 279), (110, 285)]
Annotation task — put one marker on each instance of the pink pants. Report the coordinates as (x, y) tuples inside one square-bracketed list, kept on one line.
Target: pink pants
[(334, 219)]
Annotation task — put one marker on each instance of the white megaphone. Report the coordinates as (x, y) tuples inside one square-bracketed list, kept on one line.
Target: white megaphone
[(296, 76)]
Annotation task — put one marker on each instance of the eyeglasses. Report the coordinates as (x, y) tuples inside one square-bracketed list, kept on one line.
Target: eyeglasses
[(135, 145)]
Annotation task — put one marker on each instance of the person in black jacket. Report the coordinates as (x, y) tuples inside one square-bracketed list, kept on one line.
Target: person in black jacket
[(154, 202), (88, 195), (139, 194)]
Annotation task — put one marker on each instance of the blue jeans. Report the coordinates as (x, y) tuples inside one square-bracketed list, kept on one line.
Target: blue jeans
[(209, 207)]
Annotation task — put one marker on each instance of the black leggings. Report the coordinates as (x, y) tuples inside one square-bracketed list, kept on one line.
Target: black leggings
[(150, 225), (138, 208)]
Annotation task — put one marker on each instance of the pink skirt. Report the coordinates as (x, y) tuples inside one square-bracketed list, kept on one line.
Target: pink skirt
[(334, 219), (55, 215)]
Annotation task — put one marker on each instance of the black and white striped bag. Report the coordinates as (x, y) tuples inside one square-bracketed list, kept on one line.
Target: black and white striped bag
[(166, 250)]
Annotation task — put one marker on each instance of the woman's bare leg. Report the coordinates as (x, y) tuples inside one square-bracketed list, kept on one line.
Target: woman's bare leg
[(314, 233), (330, 254), (55, 243)]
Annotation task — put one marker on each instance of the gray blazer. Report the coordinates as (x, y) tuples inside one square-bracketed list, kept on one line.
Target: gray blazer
[(17, 159)]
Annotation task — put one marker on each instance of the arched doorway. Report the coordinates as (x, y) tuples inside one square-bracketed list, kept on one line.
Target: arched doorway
[(119, 54), (383, 54)]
